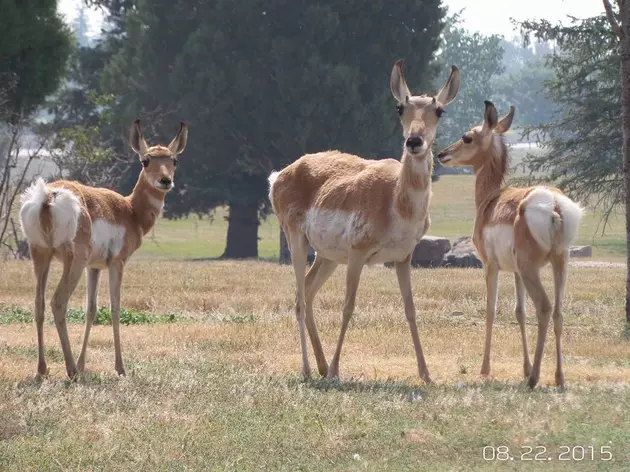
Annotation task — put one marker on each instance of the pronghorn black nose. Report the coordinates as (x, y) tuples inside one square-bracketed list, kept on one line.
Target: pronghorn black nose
[(165, 180), (415, 142)]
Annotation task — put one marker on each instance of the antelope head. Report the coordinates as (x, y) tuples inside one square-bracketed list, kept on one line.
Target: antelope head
[(474, 147), (158, 162), (419, 115)]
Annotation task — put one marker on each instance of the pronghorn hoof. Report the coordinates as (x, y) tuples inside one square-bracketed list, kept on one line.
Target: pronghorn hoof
[(532, 381), (42, 370)]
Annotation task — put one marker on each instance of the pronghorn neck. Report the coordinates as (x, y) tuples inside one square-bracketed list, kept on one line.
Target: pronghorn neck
[(147, 203), (413, 182), (492, 172)]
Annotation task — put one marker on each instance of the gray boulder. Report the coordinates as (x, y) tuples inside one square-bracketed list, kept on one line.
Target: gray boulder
[(430, 251), (463, 254), (580, 251)]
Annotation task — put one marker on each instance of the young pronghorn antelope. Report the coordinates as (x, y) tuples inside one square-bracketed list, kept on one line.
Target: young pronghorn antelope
[(356, 211), (93, 228), (517, 230)]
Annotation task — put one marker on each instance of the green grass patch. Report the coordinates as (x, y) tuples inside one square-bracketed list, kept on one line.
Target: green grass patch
[(16, 314)]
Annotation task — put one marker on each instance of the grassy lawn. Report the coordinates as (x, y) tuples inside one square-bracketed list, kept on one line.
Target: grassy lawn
[(452, 213), (213, 385)]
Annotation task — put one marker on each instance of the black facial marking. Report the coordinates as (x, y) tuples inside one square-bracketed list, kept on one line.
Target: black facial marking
[(467, 139), (145, 162), (401, 108), (439, 111), (175, 162)]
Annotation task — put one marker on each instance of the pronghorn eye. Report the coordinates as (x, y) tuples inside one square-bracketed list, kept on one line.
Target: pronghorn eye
[(401, 108), (175, 162), (145, 162), (467, 139), (439, 111)]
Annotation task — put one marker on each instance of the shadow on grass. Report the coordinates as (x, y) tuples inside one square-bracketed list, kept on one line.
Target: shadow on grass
[(414, 393), (393, 387)]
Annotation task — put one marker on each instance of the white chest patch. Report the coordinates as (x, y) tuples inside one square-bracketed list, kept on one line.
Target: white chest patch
[(498, 242), (107, 240)]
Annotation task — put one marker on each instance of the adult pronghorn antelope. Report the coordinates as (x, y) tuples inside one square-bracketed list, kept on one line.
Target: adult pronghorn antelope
[(517, 230), (93, 228), (356, 211)]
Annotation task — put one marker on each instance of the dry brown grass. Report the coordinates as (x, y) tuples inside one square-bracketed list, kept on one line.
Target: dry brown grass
[(257, 301), (221, 383)]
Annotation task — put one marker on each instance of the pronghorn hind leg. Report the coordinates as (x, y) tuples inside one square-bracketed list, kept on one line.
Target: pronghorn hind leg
[(492, 287), (403, 273), (42, 257), (73, 265), (559, 264), (534, 286), (298, 244), (93, 277), (356, 261), (519, 312), (316, 277)]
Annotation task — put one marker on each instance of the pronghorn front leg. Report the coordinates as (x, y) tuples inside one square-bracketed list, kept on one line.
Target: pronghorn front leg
[(403, 272), (356, 260), (115, 281), (492, 286)]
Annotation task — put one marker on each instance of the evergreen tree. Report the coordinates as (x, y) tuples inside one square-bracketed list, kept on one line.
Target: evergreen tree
[(583, 140), (262, 82), (33, 53)]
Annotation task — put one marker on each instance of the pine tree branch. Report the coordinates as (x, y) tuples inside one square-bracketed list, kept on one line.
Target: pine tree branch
[(612, 19)]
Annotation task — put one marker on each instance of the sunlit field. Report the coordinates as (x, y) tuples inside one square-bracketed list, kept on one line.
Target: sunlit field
[(212, 358)]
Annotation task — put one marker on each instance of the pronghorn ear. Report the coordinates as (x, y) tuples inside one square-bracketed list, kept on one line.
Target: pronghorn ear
[(451, 87), (136, 140), (178, 144), (398, 84), (490, 116), (504, 123)]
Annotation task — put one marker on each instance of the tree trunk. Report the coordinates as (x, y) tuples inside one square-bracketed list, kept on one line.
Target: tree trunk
[(624, 17), (242, 233)]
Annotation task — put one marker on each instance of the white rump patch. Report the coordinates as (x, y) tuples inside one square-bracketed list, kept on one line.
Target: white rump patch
[(65, 209), (498, 241), (107, 239), (544, 222), (272, 180), (571, 213), (539, 216)]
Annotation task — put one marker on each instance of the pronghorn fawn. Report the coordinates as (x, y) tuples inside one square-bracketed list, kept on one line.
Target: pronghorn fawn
[(91, 229), (357, 211), (518, 230)]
